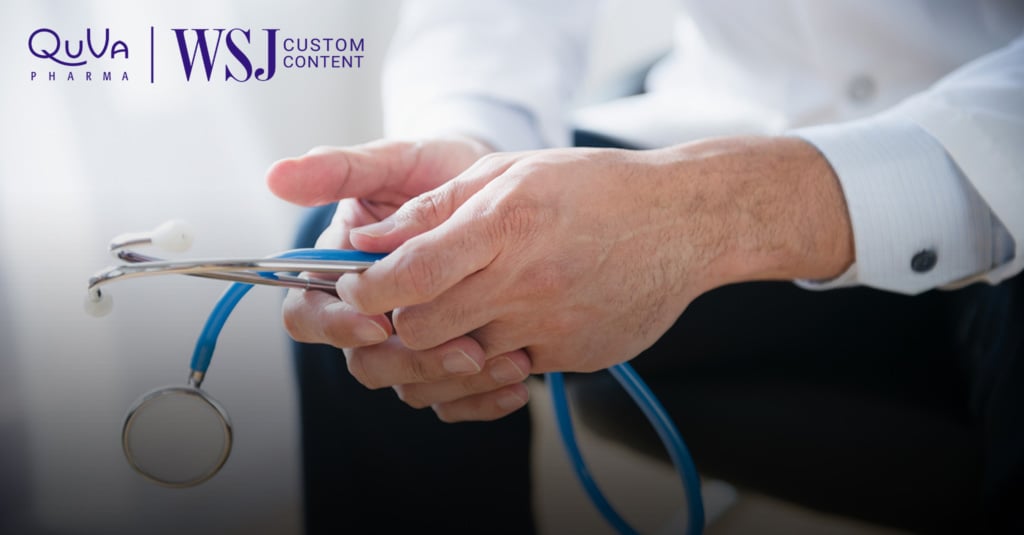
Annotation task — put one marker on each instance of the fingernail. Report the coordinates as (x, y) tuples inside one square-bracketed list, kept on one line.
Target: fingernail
[(510, 401), (370, 333), (376, 230), (459, 362), (505, 371)]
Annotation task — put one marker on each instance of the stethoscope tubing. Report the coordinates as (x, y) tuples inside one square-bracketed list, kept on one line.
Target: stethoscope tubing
[(274, 271)]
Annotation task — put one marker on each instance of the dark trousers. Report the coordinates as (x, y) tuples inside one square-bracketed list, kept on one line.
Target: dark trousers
[(905, 411), (370, 460)]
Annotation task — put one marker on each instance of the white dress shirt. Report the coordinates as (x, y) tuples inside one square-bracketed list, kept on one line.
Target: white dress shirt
[(918, 105)]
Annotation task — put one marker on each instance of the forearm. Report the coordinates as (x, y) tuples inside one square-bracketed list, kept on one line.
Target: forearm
[(769, 208)]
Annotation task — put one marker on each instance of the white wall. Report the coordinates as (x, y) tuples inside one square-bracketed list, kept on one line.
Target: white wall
[(83, 161)]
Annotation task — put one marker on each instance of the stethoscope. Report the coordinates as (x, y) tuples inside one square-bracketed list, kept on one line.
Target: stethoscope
[(179, 436)]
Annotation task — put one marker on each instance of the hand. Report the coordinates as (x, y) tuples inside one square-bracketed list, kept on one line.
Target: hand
[(370, 182), (585, 257)]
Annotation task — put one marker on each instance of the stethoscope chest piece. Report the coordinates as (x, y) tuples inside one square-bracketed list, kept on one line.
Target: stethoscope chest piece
[(177, 436)]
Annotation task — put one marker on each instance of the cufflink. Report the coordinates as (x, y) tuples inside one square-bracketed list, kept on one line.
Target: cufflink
[(924, 260)]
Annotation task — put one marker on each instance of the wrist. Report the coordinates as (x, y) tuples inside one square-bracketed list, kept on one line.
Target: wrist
[(772, 209)]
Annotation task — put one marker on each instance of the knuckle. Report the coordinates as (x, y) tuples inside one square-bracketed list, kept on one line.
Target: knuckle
[(295, 320), (444, 413), (492, 159), (534, 165), (419, 274), (431, 206), (356, 362), (519, 216), (411, 396), (292, 323), (495, 340), (492, 164), (354, 296), (411, 329), (417, 370)]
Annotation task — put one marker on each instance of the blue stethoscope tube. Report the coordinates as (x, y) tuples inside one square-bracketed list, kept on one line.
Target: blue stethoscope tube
[(623, 373), (207, 342), (662, 423)]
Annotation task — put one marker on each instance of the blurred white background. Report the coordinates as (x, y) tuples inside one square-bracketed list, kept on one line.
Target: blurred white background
[(82, 161)]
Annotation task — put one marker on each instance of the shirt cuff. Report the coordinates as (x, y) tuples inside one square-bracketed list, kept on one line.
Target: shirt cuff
[(917, 222), (504, 127)]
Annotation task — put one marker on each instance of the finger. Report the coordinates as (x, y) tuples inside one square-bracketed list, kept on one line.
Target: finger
[(499, 371), (428, 210), (464, 308), (328, 174), (427, 265), (348, 214), (419, 271), (320, 318), (484, 407), (391, 363)]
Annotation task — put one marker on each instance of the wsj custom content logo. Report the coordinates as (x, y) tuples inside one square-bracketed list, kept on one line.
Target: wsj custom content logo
[(207, 54), (204, 45)]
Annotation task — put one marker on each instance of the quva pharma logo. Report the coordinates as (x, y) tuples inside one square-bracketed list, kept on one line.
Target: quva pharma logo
[(207, 54), (46, 44)]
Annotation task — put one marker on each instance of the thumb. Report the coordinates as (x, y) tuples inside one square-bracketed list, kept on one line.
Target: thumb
[(428, 210), (327, 174)]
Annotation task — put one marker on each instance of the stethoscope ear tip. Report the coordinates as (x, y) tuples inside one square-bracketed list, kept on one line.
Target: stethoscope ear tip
[(174, 236), (97, 303)]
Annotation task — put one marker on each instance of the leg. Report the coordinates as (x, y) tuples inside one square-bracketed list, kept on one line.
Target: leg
[(368, 459), (851, 401), (990, 333)]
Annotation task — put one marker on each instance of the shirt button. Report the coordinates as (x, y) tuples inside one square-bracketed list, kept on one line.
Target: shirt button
[(924, 261), (861, 88)]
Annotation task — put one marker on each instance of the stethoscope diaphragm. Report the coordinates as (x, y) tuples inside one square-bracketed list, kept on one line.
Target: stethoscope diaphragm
[(177, 436)]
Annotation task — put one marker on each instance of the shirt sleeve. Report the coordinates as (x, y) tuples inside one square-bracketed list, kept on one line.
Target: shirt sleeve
[(502, 71), (935, 185)]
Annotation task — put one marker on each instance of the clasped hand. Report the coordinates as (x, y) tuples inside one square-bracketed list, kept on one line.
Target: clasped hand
[(503, 265)]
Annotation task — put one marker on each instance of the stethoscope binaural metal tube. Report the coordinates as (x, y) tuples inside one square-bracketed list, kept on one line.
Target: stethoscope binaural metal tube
[(281, 280), (275, 270), (248, 270), (245, 272)]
